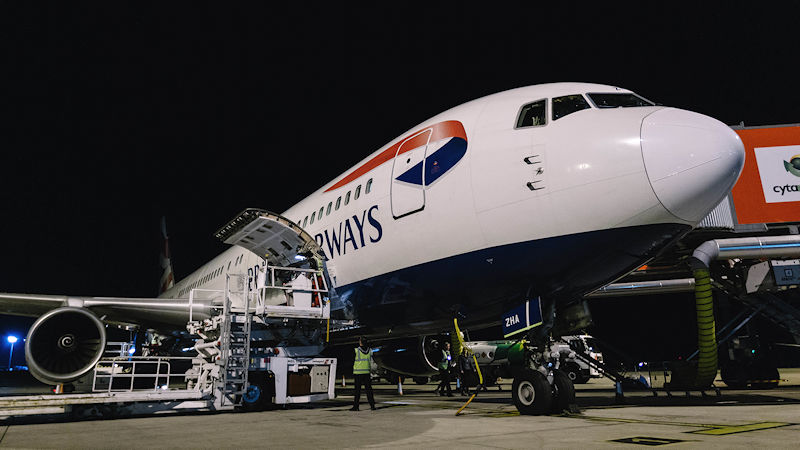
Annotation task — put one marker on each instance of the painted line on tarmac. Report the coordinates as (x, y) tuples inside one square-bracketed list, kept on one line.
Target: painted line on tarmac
[(710, 429), (742, 428), (651, 422), (645, 440)]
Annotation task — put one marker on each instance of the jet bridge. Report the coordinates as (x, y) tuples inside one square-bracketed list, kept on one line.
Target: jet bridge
[(259, 345)]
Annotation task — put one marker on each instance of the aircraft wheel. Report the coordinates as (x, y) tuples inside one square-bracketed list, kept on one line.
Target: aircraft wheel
[(531, 393), (563, 392), (573, 371)]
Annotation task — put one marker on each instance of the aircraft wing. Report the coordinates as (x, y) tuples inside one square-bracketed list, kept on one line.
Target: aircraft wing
[(69, 337), (267, 234), (155, 312)]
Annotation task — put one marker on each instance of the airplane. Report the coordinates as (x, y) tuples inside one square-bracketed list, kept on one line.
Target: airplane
[(547, 191)]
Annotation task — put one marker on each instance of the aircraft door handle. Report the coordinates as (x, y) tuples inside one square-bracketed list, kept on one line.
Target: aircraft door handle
[(532, 185)]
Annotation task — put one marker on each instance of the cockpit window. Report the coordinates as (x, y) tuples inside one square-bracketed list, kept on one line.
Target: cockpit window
[(568, 104), (619, 100), (532, 115)]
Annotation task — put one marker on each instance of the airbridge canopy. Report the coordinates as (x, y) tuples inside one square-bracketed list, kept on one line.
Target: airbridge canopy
[(268, 235)]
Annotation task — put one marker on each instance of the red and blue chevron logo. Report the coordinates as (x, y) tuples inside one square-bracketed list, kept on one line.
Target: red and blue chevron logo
[(434, 165)]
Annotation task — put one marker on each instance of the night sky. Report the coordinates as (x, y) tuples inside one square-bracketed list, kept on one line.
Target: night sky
[(115, 114)]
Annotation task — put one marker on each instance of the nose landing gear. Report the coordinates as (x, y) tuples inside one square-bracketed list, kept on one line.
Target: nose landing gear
[(540, 387)]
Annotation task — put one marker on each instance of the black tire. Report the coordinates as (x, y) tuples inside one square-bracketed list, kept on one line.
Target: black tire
[(764, 376), (260, 391), (421, 380), (253, 399), (573, 371), (563, 392), (531, 393), (734, 375)]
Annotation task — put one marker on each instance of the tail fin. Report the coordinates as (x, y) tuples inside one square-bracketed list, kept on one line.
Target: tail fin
[(168, 277)]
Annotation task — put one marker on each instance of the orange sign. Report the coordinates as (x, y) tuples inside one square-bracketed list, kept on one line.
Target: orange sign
[(769, 189)]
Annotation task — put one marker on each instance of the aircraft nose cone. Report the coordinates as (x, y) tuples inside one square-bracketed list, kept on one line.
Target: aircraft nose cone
[(692, 160)]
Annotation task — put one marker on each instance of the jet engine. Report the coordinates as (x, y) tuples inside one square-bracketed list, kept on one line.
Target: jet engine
[(64, 344), (416, 356)]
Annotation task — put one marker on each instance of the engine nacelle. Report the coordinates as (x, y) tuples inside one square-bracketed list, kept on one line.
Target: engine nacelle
[(64, 344), (413, 357)]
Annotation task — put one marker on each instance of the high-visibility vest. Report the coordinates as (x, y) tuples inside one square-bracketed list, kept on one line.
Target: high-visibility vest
[(444, 364), (361, 365)]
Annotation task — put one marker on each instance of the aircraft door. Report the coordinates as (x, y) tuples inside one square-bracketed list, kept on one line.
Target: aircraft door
[(408, 179)]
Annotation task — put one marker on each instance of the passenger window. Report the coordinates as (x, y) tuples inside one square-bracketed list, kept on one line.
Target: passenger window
[(568, 104), (319, 215), (358, 192), (532, 115), (312, 217), (305, 222), (328, 211), (347, 198), (369, 186), (338, 202)]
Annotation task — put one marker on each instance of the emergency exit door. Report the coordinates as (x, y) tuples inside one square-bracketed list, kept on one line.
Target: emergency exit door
[(408, 175)]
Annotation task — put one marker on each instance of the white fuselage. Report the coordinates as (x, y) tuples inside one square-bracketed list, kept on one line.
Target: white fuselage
[(593, 169)]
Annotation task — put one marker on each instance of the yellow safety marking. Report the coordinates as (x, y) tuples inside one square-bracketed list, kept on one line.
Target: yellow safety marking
[(711, 428), (742, 428)]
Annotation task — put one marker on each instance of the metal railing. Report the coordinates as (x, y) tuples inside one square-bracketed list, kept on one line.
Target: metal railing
[(118, 349), (132, 373), (314, 282), (317, 281)]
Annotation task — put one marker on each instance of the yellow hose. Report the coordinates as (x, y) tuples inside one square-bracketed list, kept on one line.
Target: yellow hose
[(706, 330), (477, 367)]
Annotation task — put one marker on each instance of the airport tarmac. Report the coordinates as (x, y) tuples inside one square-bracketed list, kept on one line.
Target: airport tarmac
[(419, 419)]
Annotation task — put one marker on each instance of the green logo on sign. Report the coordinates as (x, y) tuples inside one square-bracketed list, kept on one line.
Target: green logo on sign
[(793, 165)]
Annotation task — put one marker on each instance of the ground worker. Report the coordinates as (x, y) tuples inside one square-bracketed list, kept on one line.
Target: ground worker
[(361, 369), (464, 370), (444, 371)]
